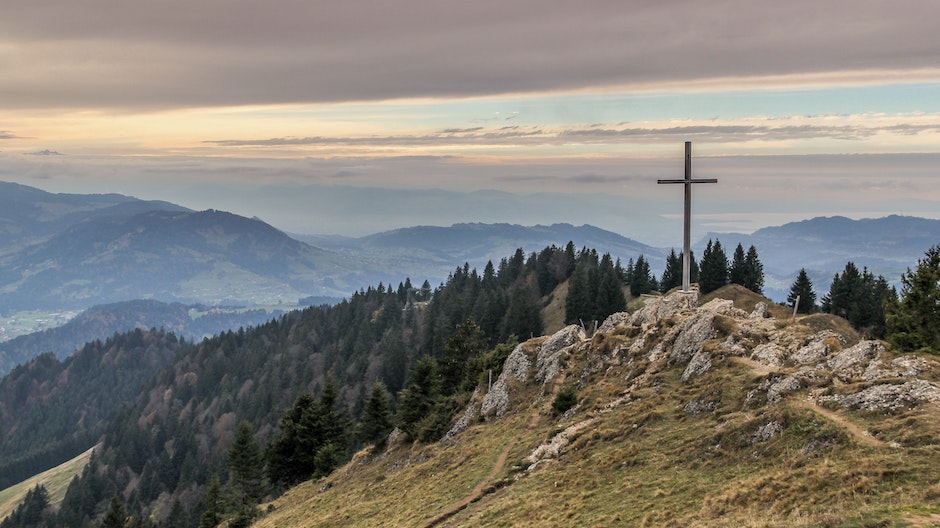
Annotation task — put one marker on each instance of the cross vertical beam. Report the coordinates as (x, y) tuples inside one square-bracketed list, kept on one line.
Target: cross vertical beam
[(687, 227)]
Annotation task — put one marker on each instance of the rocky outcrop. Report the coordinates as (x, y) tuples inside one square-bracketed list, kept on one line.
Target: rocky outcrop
[(669, 332), (553, 348), (515, 368), (889, 397)]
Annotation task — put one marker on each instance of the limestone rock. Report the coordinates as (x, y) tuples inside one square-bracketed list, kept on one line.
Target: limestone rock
[(851, 363), (781, 388), (465, 419), (547, 361), (515, 368), (760, 311), (766, 432), (815, 351), (699, 364), (696, 407), (692, 335), (658, 308), (613, 321), (888, 397), (771, 354)]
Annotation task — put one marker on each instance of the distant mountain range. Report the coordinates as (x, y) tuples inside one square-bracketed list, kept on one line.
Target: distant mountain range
[(886, 246), (63, 251), (433, 252), (72, 252)]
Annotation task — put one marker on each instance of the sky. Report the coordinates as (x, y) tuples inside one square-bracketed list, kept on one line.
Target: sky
[(357, 117)]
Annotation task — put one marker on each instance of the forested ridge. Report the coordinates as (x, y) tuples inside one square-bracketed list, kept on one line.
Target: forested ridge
[(52, 410), (161, 453)]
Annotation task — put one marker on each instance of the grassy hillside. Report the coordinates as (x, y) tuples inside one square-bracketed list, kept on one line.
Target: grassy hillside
[(56, 481), (645, 448)]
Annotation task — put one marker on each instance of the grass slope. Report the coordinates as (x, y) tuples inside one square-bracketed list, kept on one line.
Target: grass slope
[(56, 481)]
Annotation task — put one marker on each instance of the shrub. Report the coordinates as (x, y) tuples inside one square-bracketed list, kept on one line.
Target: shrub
[(564, 400)]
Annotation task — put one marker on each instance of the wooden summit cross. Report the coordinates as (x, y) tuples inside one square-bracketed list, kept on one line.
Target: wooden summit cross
[(686, 235)]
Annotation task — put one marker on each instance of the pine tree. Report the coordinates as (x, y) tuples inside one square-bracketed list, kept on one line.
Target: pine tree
[(246, 467), (672, 275), (802, 289), (753, 271), (737, 273), (116, 516), (376, 420), (610, 297), (212, 515), (913, 321), (714, 268), (642, 280)]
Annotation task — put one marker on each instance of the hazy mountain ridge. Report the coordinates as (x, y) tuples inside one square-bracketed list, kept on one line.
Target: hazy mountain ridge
[(196, 257), (887, 246), (103, 321), (28, 215), (434, 251)]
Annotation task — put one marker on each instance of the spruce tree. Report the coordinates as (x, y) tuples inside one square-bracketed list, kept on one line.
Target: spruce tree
[(116, 516), (523, 316), (212, 515), (467, 341), (913, 321), (376, 420), (578, 303), (672, 275), (860, 298), (713, 273), (419, 397), (610, 297), (738, 271), (753, 271), (802, 289), (642, 280), (246, 467)]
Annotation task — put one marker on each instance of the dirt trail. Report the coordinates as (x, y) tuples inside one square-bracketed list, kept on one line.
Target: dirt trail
[(860, 434), (498, 466), (857, 432)]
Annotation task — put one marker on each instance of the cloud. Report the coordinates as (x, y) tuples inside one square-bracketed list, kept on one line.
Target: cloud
[(755, 129), (7, 135), (181, 53)]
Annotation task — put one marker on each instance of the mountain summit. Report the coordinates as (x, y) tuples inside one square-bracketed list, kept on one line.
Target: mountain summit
[(680, 414)]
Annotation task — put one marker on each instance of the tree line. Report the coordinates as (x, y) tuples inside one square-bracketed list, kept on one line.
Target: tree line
[(909, 319)]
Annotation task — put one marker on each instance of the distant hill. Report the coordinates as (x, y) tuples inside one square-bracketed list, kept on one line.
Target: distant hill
[(887, 246), (100, 322), (208, 257), (433, 252), (28, 215)]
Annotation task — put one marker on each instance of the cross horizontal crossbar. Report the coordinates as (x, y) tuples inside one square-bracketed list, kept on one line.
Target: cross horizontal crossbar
[(700, 180)]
